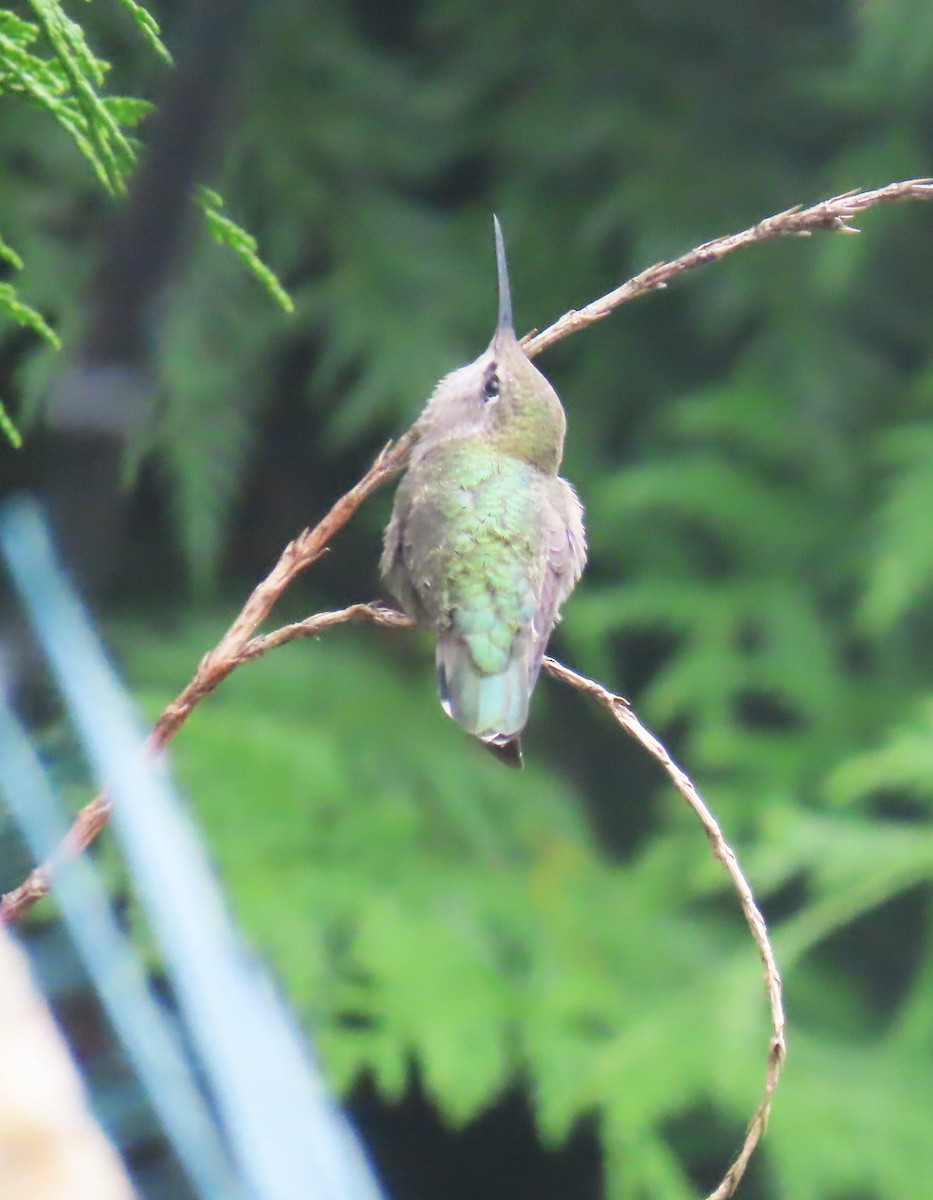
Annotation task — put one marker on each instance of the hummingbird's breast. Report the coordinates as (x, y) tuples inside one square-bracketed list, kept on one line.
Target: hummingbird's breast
[(469, 535)]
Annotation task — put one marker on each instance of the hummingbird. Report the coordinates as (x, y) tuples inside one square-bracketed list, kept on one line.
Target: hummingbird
[(486, 541)]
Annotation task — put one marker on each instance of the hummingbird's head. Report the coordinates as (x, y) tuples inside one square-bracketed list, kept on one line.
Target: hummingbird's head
[(501, 397)]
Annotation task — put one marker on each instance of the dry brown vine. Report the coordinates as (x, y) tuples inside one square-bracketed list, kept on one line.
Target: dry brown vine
[(241, 644)]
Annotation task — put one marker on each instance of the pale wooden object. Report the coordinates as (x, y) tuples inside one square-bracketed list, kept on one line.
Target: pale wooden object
[(50, 1146)]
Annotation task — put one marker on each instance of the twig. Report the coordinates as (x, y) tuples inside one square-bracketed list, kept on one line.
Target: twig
[(620, 709), (307, 548), (797, 221), (311, 627), (622, 712)]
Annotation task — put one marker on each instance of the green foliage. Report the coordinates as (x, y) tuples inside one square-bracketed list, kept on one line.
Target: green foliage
[(9, 430), (901, 568), (244, 245), (206, 426), (149, 28), (18, 310), (50, 62), (66, 84), (24, 314), (900, 762)]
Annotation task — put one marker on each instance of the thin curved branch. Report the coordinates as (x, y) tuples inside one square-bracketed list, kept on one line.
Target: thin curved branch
[(622, 712), (835, 213), (620, 709), (298, 555)]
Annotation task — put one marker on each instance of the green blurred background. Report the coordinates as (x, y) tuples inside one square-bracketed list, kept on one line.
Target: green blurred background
[(534, 984)]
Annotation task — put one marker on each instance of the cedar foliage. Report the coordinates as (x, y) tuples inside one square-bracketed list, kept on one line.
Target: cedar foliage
[(754, 453)]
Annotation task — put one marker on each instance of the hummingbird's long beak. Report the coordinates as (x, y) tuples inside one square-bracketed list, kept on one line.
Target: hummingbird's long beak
[(505, 295)]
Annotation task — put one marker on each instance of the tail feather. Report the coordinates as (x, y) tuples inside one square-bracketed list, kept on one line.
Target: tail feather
[(509, 752), (493, 708)]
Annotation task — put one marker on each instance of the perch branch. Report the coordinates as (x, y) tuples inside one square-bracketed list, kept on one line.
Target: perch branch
[(306, 549), (622, 712), (836, 213), (624, 715)]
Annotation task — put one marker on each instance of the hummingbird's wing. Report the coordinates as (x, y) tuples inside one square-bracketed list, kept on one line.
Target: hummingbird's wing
[(563, 565), (392, 565), (485, 644), (462, 554), (490, 654)]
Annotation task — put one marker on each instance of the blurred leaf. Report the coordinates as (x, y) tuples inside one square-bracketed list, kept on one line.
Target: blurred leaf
[(9, 430), (25, 314), (901, 762), (902, 555), (149, 27), (244, 245)]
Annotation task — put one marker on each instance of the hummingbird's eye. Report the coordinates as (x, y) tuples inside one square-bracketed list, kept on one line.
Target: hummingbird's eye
[(491, 386)]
